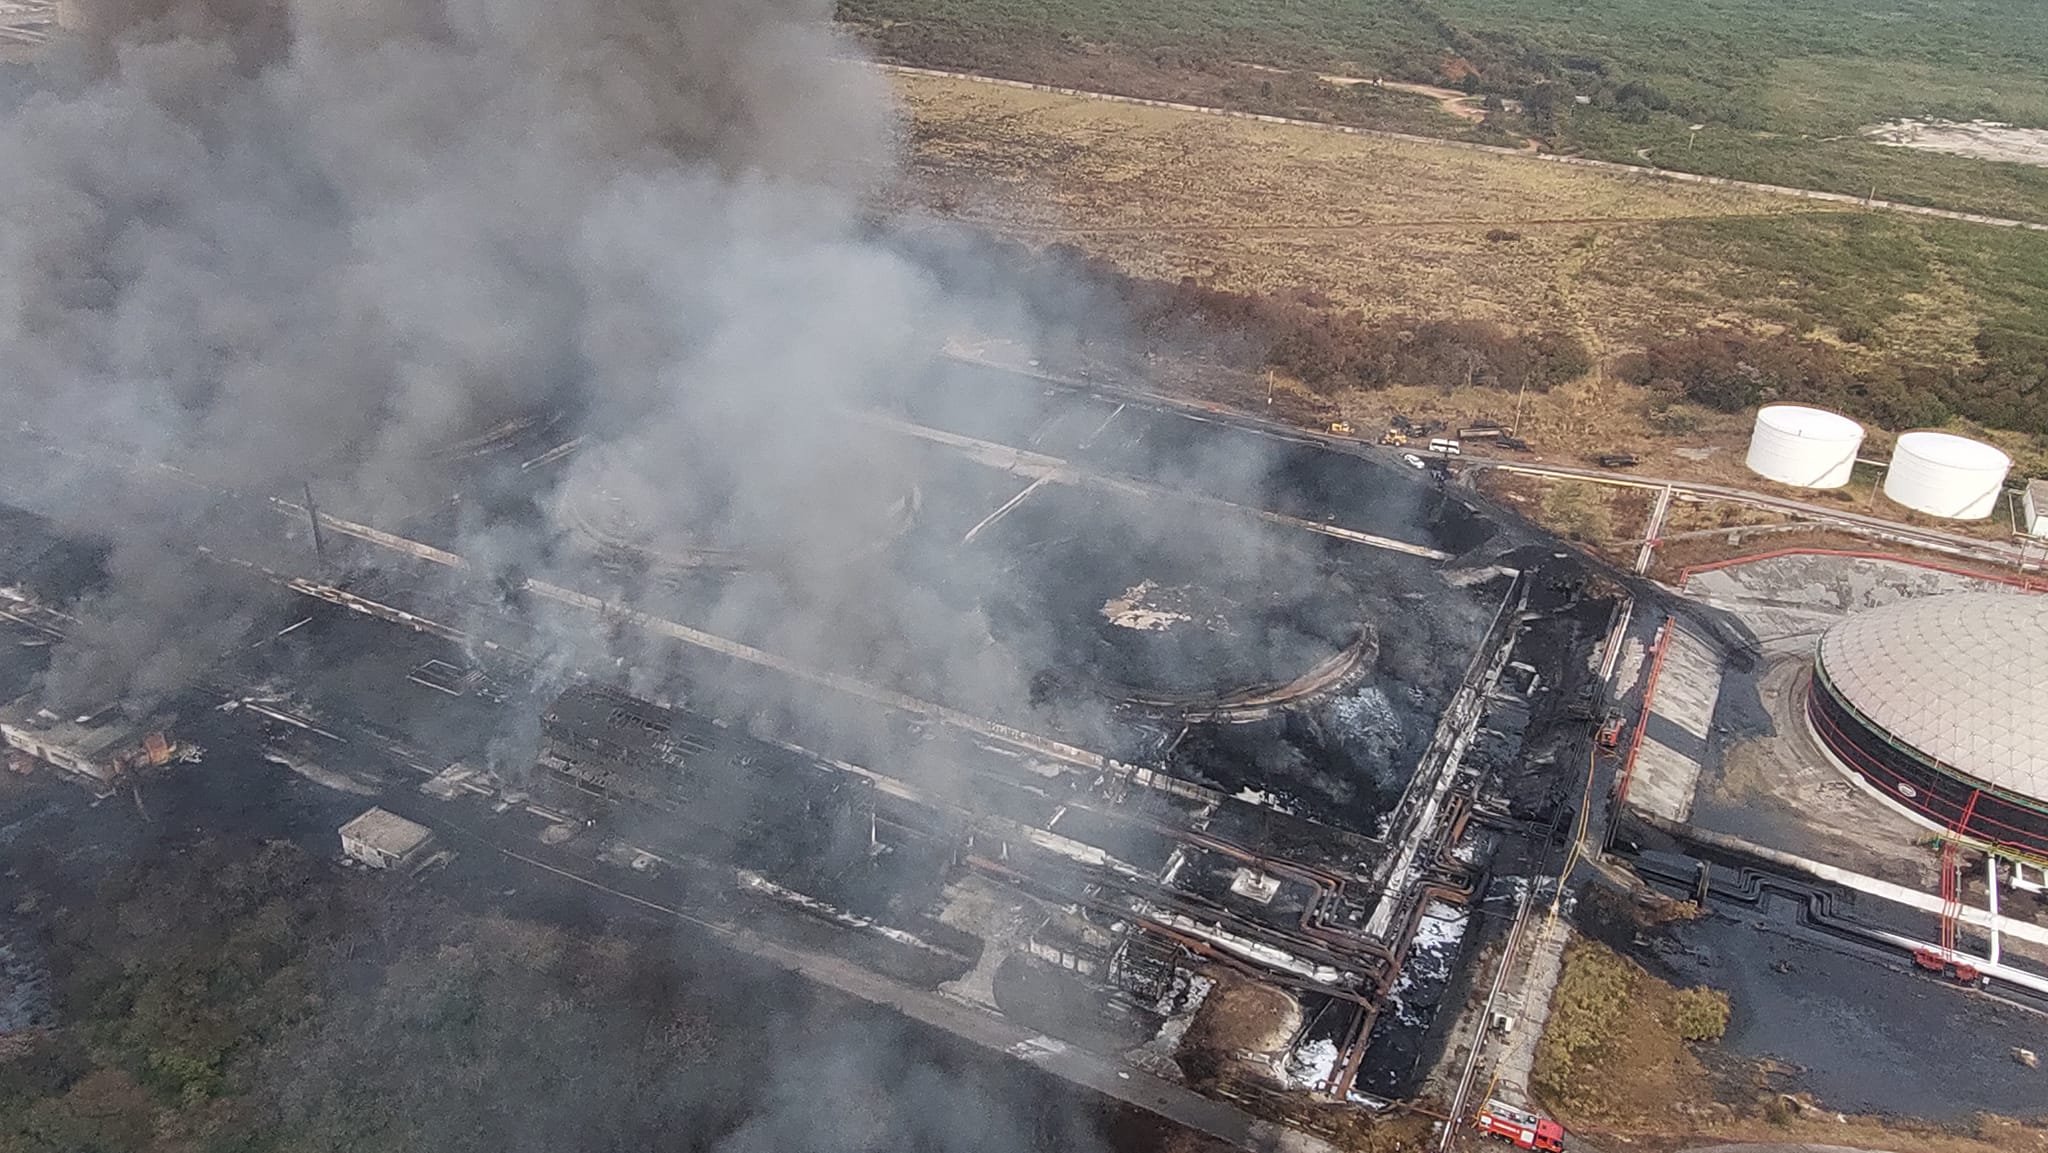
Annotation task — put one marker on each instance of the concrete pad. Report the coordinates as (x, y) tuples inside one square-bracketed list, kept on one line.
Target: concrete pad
[(1785, 598), (1777, 788), (1000, 918), (1679, 730)]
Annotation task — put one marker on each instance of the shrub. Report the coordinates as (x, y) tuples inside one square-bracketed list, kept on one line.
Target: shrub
[(1578, 512), (1674, 420), (1584, 1014), (1701, 1014), (1730, 370)]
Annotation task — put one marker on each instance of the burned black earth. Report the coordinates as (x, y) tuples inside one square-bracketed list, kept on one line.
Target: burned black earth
[(1181, 735), (708, 526), (1150, 610)]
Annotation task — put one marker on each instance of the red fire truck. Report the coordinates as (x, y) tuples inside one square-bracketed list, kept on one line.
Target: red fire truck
[(1519, 1127)]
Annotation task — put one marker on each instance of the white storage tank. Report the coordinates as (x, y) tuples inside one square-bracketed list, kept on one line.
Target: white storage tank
[(1942, 474), (1806, 447)]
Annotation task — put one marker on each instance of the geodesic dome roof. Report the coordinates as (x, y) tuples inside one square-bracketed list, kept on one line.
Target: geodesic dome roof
[(1962, 678)]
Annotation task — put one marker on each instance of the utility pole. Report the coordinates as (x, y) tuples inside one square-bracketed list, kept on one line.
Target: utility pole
[(313, 518)]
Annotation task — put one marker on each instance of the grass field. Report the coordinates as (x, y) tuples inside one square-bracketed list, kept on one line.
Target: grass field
[(1782, 86), (1396, 229)]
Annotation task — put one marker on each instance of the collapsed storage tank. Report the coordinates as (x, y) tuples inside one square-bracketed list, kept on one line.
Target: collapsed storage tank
[(1804, 447), (1946, 475)]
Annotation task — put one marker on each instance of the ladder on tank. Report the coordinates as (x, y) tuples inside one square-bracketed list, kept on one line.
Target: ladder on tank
[(1945, 959)]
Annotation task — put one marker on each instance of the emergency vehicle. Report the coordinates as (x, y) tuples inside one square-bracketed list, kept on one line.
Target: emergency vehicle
[(1519, 1127)]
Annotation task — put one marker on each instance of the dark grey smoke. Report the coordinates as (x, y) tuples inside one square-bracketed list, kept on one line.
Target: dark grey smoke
[(263, 242), (256, 244), (248, 246)]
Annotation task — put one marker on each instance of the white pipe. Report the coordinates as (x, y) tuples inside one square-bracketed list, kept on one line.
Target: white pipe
[(1996, 971), (1895, 893), (1991, 871)]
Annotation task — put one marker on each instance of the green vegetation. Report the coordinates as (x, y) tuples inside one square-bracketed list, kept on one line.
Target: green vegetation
[(1701, 1014), (1488, 271), (1782, 88), (1618, 1061), (1587, 1016), (1860, 275), (1580, 512), (219, 997), (1615, 1046), (1902, 322)]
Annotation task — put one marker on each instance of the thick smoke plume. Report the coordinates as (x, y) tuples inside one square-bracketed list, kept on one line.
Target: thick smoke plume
[(259, 243), (249, 246)]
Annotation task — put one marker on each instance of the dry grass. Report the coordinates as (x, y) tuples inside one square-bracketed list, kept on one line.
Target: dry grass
[(1402, 228), (1611, 1052), (1609, 521), (1385, 226)]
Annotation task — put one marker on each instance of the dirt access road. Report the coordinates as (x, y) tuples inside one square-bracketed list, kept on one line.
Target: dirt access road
[(1462, 105)]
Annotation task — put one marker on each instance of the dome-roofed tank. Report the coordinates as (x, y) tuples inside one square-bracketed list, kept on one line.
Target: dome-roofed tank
[(1941, 705), (1942, 474), (1805, 447)]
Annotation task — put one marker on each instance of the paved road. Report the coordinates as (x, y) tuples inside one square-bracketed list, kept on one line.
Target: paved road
[(1936, 540)]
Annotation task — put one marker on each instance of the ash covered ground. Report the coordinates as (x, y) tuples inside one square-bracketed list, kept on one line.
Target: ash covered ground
[(316, 660)]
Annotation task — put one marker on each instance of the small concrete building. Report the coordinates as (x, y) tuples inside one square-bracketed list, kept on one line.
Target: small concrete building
[(100, 745), (2035, 504), (384, 840)]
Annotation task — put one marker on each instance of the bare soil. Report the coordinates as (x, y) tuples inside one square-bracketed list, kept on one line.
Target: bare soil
[(1240, 1016), (1608, 521), (1982, 139)]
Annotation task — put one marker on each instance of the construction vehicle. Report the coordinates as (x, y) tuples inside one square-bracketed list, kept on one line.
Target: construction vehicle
[(1393, 439), (1619, 460), (1416, 428), (1340, 428), (1519, 1127)]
